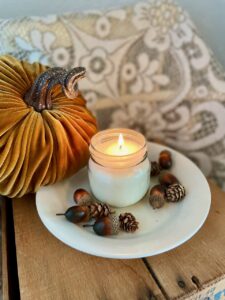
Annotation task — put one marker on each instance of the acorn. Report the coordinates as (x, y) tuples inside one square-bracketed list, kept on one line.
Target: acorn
[(165, 159), (77, 214), (82, 197), (105, 226), (155, 168), (167, 179), (157, 196)]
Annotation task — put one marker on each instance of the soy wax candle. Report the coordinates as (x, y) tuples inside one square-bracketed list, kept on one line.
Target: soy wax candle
[(119, 168)]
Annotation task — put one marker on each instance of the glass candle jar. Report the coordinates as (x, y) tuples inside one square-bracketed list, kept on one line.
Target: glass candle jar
[(119, 168)]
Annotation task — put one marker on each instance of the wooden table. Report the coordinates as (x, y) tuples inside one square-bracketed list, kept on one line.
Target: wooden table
[(47, 269)]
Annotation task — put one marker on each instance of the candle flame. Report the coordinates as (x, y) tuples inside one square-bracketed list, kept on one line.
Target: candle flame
[(120, 141)]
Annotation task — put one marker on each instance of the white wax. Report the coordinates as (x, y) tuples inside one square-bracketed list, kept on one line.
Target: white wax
[(119, 187)]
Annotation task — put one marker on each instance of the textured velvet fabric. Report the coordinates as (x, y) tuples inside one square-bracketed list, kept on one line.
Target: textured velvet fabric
[(38, 148)]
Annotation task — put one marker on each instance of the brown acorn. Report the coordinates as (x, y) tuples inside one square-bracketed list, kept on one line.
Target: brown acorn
[(155, 168), (82, 197), (165, 159), (105, 226), (167, 179), (157, 196), (77, 214)]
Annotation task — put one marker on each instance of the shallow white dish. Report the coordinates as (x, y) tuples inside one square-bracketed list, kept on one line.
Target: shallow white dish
[(159, 230)]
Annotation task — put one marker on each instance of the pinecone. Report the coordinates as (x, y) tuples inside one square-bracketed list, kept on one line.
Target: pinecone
[(99, 210), (128, 222), (155, 168), (175, 192)]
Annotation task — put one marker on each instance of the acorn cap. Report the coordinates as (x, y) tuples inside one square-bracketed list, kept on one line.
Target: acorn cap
[(157, 196), (156, 201)]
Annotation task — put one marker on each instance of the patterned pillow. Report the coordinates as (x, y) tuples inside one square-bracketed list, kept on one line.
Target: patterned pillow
[(148, 69)]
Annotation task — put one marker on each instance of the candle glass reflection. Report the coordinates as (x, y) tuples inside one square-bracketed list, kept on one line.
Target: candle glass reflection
[(119, 168)]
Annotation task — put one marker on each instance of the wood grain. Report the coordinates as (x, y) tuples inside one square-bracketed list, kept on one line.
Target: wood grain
[(48, 269), (198, 262), (5, 288)]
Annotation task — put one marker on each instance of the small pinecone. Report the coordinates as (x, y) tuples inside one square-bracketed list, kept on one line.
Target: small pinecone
[(155, 168), (175, 193), (128, 222), (99, 210)]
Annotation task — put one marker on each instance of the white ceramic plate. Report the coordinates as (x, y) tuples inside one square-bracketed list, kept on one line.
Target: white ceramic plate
[(159, 230)]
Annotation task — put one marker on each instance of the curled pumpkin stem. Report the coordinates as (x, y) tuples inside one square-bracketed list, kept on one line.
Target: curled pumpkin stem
[(40, 94)]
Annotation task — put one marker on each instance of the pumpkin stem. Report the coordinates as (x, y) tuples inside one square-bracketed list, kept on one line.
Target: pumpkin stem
[(40, 94)]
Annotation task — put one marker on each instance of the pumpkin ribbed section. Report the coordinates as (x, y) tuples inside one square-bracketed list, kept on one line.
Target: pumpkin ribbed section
[(38, 148)]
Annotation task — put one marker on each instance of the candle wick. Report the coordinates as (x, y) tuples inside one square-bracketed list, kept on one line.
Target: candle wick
[(120, 147)]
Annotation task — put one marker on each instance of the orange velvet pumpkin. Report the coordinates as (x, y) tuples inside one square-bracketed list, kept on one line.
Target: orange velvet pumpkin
[(40, 143)]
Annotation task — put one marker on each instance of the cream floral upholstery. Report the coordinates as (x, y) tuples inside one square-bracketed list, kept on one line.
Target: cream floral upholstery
[(148, 69)]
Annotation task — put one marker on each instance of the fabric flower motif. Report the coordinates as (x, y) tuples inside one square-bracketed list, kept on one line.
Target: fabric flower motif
[(103, 27), (98, 64), (162, 14), (60, 57), (164, 23), (181, 34), (40, 48), (201, 91), (103, 24), (140, 116), (145, 75), (153, 40)]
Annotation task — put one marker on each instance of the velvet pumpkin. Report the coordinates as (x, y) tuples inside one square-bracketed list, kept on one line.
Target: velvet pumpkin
[(40, 143)]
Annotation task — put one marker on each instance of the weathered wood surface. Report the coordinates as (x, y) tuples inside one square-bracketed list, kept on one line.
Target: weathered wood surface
[(199, 262), (48, 269)]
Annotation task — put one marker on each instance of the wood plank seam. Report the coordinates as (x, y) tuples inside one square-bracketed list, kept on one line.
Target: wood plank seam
[(151, 294), (155, 278), (13, 280)]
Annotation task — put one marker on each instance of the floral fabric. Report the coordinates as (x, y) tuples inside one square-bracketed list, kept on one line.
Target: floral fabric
[(147, 69)]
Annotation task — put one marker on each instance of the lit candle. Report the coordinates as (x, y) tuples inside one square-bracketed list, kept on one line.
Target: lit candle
[(119, 169), (120, 147)]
